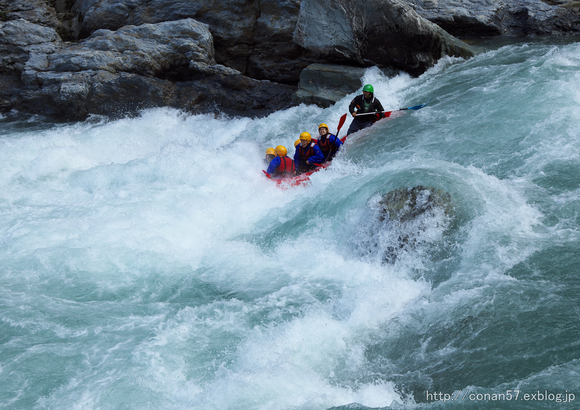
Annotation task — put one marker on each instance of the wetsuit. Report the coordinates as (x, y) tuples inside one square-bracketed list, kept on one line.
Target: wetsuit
[(361, 105)]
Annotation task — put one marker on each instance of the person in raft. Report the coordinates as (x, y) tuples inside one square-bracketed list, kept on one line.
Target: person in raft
[(270, 155), (281, 166), (328, 143), (361, 106), (307, 154)]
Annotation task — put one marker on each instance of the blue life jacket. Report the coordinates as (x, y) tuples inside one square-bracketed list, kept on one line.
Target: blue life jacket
[(329, 143), (310, 153)]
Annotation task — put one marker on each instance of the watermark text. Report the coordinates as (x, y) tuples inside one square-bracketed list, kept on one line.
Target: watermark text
[(508, 395)]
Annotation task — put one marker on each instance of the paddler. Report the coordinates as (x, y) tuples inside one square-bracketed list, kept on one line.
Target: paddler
[(281, 166), (270, 155), (364, 104), (307, 154), (328, 143)]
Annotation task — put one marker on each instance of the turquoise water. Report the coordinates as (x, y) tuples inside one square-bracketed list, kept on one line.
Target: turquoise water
[(146, 263)]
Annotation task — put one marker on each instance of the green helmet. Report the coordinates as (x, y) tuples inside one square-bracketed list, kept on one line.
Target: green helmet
[(369, 88)]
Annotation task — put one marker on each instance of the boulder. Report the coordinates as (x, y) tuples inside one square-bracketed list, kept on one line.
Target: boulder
[(405, 204), (119, 72), (485, 18), (253, 37), (47, 13), (148, 49), (21, 40), (277, 39), (325, 84), (386, 33), (34, 11)]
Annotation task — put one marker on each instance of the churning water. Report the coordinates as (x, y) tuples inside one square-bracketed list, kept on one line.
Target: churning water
[(146, 263)]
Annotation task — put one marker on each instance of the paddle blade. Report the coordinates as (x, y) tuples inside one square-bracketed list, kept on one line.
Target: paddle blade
[(341, 123), (417, 106)]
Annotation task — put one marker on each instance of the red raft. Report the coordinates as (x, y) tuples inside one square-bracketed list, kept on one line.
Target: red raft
[(298, 180), (303, 179)]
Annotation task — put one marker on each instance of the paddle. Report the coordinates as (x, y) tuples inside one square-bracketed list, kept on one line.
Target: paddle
[(388, 113), (340, 124)]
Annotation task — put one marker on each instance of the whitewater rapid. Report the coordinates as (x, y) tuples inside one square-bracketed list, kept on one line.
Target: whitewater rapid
[(147, 263)]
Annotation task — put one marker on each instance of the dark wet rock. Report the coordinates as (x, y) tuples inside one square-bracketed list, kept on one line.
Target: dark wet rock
[(325, 84), (405, 204), (21, 40), (142, 54)]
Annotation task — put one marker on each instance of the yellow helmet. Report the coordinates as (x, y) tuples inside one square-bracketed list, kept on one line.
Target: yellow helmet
[(270, 151), (306, 136), (281, 151), (323, 125), (296, 142)]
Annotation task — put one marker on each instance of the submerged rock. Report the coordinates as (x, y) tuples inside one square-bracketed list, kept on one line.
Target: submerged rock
[(404, 204), (405, 220)]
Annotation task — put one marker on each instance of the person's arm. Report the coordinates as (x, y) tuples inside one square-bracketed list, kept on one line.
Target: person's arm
[(337, 143), (380, 108), (318, 156), (297, 156), (273, 165), (352, 106)]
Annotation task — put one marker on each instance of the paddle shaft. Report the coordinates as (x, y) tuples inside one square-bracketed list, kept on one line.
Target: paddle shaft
[(387, 113), (340, 124)]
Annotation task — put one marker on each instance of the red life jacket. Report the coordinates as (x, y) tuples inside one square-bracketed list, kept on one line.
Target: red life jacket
[(286, 166), (325, 145)]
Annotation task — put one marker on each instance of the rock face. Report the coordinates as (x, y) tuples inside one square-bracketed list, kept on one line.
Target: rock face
[(276, 39), (325, 84), (476, 18), (375, 32), (73, 58), (136, 67), (54, 14), (35, 11), (253, 37)]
